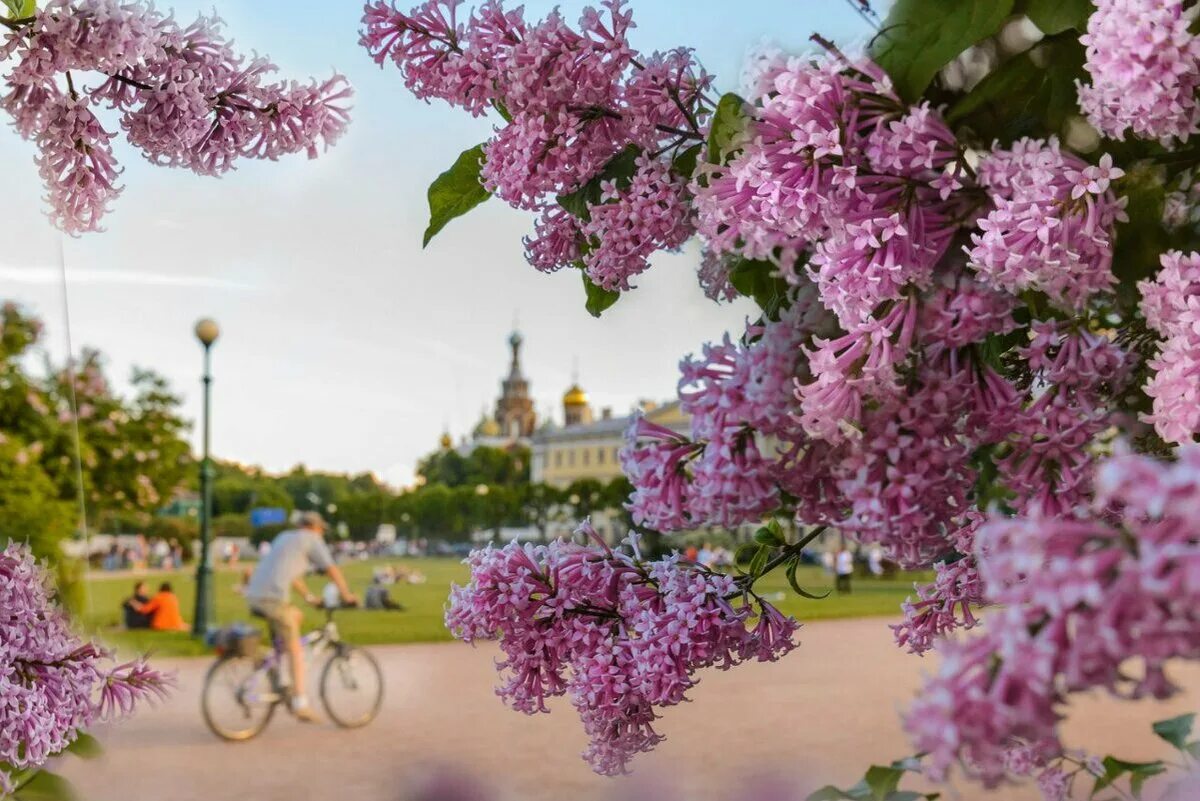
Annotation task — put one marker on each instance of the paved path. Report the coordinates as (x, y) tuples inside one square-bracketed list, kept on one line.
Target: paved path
[(821, 714)]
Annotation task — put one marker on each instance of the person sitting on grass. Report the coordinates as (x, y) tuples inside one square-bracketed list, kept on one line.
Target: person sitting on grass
[(268, 593), (131, 612), (379, 597), (163, 610)]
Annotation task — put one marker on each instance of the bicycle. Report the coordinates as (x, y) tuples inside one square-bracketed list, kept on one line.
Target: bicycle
[(256, 686)]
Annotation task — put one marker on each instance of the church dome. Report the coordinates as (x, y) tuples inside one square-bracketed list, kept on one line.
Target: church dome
[(575, 396), (446, 441), (487, 428)]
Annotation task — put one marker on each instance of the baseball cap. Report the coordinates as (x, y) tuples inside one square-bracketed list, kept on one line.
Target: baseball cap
[(312, 520)]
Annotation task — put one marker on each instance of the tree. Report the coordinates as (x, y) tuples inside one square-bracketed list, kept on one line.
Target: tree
[(539, 503), (964, 291), (585, 497), (30, 508), (130, 455), (483, 465)]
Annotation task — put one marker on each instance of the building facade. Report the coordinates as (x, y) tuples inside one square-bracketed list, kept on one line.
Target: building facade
[(588, 448)]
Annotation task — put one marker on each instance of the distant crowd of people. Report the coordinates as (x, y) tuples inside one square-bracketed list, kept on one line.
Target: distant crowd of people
[(709, 555), (144, 553), (841, 562)]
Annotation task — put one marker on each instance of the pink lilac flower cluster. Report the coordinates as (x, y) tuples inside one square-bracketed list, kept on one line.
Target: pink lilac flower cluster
[(53, 685), (892, 403), (1051, 225), (1171, 306), (622, 637), (1075, 375), (1084, 598), (832, 161), (572, 100), (1144, 65), (945, 604), (185, 98), (735, 395)]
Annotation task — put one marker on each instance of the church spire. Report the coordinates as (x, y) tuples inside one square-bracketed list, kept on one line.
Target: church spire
[(514, 342), (514, 408)]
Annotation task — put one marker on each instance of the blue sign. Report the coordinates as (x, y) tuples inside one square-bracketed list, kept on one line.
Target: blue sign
[(267, 516)]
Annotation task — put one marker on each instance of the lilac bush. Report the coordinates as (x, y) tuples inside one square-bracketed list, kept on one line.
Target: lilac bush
[(976, 311), (182, 94)]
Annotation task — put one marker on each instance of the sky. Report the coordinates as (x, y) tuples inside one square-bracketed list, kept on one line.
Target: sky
[(345, 346)]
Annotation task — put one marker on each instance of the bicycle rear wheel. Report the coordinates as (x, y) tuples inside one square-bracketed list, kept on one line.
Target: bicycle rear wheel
[(238, 699), (351, 687)]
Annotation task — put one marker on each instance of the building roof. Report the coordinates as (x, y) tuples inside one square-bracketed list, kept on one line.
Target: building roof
[(598, 428)]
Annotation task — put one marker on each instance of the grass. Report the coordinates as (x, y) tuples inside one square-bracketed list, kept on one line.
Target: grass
[(422, 621)]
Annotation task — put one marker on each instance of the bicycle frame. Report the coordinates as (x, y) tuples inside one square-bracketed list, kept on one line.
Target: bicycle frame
[(325, 638)]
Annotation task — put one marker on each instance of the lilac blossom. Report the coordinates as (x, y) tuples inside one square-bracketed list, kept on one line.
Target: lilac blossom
[(1083, 597), (622, 637), (184, 96), (1051, 225), (1144, 66), (53, 685), (1171, 305)]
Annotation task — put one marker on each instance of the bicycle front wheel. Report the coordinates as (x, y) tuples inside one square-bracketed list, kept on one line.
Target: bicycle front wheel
[(351, 687), (238, 699)]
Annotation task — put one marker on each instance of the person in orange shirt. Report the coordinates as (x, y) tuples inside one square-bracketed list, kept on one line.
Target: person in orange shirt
[(163, 609)]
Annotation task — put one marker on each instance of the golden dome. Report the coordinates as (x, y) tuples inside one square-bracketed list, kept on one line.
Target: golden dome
[(446, 442), (575, 396), (488, 428)]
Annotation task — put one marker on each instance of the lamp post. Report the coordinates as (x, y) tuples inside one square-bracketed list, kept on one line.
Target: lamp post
[(207, 332)]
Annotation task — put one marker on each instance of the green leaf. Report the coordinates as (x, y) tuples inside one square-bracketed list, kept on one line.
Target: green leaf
[(791, 577), (685, 163), (829, 793), (502, 110), (1176, 731), (19, 9), (1142, 239), (919, 37), (859, 792), (46, 786), (1056, 16), (882, 781), (760, 280), (769, 536), (1021, 98), (619, 168), (744, 553), (456, 191), (1138, 772), (728, 123), (759, 562), (85, 746), (598, 298)]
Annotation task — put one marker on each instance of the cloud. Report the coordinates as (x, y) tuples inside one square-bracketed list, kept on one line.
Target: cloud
[(48, 276)]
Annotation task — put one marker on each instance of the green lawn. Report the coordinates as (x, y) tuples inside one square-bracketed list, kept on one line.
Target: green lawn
[(422, 621)]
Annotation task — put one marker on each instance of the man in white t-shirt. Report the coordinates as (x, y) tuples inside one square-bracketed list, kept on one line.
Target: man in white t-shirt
[(269, 590), (844, 564)]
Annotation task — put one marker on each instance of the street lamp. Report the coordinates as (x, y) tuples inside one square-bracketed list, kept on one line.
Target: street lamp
[(207, 332)]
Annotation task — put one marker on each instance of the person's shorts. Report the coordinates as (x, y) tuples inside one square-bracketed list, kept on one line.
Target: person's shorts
[(278, 614)]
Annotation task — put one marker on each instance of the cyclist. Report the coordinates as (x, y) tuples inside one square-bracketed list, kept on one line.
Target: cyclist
[(269, 589)]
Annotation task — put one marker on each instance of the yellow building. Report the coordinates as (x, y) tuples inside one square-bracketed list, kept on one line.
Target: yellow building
[(586, 447)]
